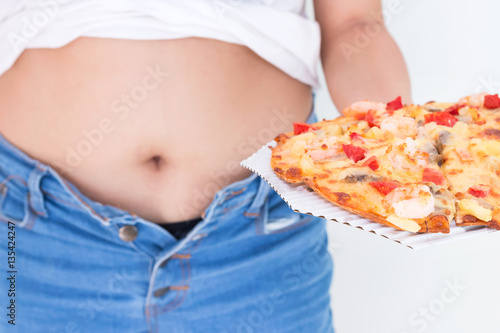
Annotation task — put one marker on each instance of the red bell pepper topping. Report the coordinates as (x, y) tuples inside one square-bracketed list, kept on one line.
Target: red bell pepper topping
[(384, 187), (371, 120), (433, 176), (441, 118), (454, 109), (360, 116), (395, 104), (491, 101), (479, 191), (299, 128), (372, 163), (354, 153)]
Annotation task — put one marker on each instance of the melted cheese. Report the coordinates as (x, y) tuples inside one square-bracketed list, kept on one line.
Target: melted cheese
[(332, 130), (485, 147), (472, 207), (306, 164), (352, 172), (298, 148), (405, 224), (304, 136), (374, 133), (461, 129)]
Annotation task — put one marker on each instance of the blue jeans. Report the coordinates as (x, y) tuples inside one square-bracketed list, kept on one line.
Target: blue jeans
[(252, 265)]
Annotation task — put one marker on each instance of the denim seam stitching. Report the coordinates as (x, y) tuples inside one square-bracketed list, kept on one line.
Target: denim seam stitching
[(10, 218), (170, 306), (233, 194), (164, 308), (13, 177), (83, 202), (56, 198)]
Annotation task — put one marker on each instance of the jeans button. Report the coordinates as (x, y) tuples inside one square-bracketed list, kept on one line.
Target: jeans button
[(160, 292), (128, 233)]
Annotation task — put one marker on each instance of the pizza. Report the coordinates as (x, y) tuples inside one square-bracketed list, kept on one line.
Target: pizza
[(417, 168)]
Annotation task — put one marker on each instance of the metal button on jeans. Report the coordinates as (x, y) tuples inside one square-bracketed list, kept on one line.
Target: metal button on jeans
[(160, 292), (128, 233)]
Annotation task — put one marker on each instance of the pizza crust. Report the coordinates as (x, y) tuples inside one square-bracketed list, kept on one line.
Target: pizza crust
[(342, 199)]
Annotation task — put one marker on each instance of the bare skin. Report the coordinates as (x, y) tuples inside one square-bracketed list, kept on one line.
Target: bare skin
[(360, 59), (157, 127), (161, 154)]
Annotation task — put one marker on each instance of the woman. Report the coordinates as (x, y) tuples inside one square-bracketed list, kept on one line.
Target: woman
[(120, 118)]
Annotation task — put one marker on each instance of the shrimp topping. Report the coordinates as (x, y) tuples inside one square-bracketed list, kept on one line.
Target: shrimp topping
[(361, 108), (400, 127), (411, 202)]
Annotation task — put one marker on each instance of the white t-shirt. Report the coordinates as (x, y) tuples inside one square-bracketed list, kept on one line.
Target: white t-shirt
[(277, 30)]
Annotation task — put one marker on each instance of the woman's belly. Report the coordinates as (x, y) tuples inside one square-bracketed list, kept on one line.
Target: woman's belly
[(152, 127)]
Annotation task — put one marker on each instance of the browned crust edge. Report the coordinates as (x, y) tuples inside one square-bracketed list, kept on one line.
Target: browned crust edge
[(438, 223), (291, 175), (336, 199), (465, 220)]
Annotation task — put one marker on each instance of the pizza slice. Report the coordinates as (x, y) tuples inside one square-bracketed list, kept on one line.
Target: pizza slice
[(396, 184), (289, 155), (309, 142), (471, 153), (376, 167)]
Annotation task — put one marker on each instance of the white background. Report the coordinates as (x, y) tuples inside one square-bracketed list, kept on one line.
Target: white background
[(452, 49)]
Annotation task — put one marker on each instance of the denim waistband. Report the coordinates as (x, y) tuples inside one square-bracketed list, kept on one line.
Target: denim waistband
[(24, 176), (34, 181)]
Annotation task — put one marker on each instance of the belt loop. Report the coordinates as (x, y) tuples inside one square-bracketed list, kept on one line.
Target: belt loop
[(259, 200), (262, 217), (35, 195), (27, 218)]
